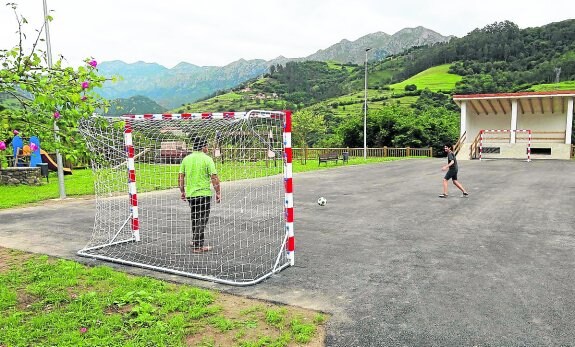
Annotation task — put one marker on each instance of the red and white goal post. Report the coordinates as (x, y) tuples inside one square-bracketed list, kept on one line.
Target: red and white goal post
[(141, 220), (482, 139)]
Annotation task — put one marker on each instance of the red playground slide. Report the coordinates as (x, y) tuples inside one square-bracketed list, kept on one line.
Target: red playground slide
[(51, 164)]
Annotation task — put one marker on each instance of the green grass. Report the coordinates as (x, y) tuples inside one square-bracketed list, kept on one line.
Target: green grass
[(352, 104), (567, 85), (435, 79), (55, 302), (81, 182)]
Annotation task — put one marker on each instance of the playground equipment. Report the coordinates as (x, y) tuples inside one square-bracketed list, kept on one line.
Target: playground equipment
[(33, 156)]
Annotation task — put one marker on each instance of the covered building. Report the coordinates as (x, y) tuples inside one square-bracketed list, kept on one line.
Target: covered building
[(498, 125)]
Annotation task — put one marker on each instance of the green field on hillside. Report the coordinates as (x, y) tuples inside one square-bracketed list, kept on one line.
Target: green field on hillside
[(232, 101), (567, 85), (435, 79)]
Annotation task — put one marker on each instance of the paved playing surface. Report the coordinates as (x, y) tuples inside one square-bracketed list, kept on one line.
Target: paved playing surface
[(393, 263)]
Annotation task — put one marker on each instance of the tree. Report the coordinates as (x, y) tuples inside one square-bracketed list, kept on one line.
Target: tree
[(307, 125), (41, 95)]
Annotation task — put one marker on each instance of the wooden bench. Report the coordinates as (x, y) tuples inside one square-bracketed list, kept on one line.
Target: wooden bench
[(325, 157)]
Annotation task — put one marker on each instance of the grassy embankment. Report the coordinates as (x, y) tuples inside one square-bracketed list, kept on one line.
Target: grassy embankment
[(435, 79), (56, 302)]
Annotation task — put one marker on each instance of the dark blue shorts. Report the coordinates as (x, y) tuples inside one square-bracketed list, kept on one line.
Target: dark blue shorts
[(451, 174)]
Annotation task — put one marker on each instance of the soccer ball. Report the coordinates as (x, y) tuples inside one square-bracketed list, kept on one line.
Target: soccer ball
[(321, 201)]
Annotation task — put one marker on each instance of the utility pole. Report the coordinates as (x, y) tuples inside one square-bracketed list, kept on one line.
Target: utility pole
[(61, 187), (365, 110)]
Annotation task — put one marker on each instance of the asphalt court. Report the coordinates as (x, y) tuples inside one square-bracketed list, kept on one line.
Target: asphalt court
[(394, 264)]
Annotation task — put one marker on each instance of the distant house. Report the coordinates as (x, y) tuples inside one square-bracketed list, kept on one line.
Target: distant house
[(497, 125)]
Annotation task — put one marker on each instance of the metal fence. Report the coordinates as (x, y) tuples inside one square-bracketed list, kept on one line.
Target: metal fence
[(313, 153)]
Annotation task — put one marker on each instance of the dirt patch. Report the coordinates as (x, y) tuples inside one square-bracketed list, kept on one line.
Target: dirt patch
[(115, 309), (241, 310), (24, 299), (10, 257)]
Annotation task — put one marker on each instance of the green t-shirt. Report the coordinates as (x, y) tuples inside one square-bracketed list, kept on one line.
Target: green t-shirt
[(198, 169)]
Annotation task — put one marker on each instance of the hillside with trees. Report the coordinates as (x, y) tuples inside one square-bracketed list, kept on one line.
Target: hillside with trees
[(501, 57), (409, 96)]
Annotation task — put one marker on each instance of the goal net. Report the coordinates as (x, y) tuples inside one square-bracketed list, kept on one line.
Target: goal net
[(497, 144), (141, 219)]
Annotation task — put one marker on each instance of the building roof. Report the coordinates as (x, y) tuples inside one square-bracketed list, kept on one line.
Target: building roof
[(528, 102)]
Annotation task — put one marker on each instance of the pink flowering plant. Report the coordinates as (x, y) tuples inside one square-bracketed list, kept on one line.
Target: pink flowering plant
[(44, 95)]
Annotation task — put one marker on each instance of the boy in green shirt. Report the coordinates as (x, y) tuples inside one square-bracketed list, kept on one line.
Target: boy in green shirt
[(197, 172)]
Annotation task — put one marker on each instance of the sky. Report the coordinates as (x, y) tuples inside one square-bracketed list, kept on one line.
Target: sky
[(218, 32)]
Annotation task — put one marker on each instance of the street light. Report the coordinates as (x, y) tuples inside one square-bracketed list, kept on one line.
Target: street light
[(365, 110), (60, 166)]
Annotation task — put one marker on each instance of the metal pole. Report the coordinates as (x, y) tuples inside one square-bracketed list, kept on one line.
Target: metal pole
[(61, 187), (365, 110)]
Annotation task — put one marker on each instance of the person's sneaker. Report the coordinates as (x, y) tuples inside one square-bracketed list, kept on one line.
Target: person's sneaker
[(443, 196), (465, 194)]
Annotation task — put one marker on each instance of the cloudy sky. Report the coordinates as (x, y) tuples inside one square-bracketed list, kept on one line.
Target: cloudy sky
[(218, 32)]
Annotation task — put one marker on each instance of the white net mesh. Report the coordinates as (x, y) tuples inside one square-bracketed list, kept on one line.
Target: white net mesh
[(246, 231)]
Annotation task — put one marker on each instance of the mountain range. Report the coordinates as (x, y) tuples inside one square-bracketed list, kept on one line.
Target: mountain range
[(184, 83)]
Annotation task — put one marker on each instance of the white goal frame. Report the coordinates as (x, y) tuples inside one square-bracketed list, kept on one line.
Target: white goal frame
[(128, 229), (487, 131)]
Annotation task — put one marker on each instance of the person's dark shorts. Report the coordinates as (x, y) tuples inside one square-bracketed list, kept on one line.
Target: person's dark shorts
[(451, 174)]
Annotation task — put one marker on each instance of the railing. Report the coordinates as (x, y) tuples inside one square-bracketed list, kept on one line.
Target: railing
[(459, 143), (474, 148), (382, 152), (543, 136)]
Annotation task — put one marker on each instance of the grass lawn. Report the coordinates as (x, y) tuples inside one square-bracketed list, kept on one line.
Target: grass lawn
[(566, 85), (54, 302)]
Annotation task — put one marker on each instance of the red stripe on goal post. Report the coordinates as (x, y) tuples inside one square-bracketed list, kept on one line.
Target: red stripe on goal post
[(134, 200), (291, 244), (289, 185)]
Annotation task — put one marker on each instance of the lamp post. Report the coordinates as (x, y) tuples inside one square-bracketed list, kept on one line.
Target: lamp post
[(61, 187), (365, 110)]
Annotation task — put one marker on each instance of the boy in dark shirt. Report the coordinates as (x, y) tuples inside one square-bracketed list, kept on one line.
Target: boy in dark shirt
[(451, 169)]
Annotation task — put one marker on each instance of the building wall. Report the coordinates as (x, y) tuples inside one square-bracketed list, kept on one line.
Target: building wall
[(475, 123), (541, 122)]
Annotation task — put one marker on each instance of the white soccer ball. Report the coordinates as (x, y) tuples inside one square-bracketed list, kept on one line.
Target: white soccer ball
[(322, 201)]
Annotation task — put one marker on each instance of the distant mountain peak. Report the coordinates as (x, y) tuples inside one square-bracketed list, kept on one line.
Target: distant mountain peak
[(381, 43), (187, 82)]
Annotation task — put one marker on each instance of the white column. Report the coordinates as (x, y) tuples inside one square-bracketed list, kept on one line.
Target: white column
[(569, 121), (513, 119), (463, 118)]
